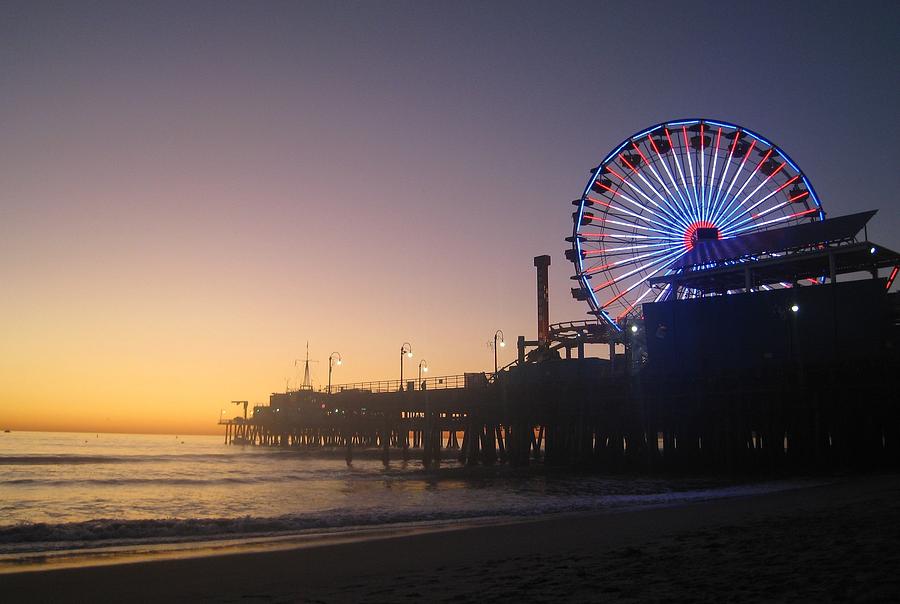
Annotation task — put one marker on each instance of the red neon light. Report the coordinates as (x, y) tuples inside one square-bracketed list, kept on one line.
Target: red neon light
[(800, 195), (777, 170), (802, 213), (592, 200), (734, 142), (597, 269), (638, 149), (626, 311), (615, 193), (615, 298), (627, 163), (616, 174), (755, 216), (603, 250), (890, 280), (749, 151), (787, 183), (692, 230)]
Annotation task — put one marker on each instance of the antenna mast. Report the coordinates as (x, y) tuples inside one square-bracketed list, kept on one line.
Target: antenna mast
[(307, 381)]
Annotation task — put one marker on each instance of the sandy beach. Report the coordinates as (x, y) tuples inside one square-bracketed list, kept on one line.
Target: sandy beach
[(837, 542)]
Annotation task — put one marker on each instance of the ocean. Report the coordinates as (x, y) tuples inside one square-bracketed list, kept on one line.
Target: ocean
[(71, 498)]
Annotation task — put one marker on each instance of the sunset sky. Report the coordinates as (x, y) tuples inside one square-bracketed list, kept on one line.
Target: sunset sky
[(191, 191)]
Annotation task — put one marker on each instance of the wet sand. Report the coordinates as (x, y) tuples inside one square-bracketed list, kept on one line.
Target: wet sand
[(838, 542)]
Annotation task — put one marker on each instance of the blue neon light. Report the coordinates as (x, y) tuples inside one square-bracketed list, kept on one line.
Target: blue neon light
[(666, 216), (646, 132)]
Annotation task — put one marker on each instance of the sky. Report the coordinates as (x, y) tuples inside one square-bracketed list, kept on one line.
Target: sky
[(192, 191)]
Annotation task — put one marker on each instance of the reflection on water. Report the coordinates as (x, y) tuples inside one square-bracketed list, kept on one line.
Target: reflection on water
[(64, 491)]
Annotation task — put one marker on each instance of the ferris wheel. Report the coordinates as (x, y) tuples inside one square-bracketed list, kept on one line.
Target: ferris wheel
[(660, 191)]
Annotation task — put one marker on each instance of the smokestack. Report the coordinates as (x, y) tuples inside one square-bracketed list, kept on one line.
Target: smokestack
[(543, 298)]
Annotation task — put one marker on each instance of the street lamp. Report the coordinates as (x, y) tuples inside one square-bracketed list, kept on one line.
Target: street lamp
[(340, 361), (423, 366), (405, 350), (497, 334)]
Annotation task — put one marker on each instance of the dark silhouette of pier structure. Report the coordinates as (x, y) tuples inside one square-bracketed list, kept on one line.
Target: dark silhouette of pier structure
[(798, 377)]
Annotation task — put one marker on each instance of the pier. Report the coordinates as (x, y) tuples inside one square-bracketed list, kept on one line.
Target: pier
[(763, 379)]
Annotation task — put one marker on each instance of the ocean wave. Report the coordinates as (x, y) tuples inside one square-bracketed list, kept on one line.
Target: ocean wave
[(161, 482), (243, 456), (28, 460), (29, 537), (47, 536)]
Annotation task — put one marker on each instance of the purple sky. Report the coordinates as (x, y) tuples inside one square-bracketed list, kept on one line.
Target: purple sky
[(190, 191)]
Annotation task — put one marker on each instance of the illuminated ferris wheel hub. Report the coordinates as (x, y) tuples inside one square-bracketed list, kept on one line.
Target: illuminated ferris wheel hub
[(667, 189)]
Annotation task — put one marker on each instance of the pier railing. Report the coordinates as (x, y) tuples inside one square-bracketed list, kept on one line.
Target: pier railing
[(466, 380)]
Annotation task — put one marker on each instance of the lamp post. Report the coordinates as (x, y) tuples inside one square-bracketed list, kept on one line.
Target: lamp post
[(405, 350), (498, 333), (423, 366), (340, 361)]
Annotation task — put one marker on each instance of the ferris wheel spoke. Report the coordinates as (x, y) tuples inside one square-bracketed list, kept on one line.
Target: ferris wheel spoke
[(731, 205), (737, 173), (637, 283), (665, 290), (757, 225), (683, 194), (674, 219), (733, 223), (684, 205), (649, 226), (624, 249), (637, 189), (790, 181), (631, 306), (752, 193), (660, 191), (687, 191), (628, 228), (702, 175), (724, 174), (672, 207), (626, 262), (687, 154), (714, 155), (734, 207), (626, 238), (667, 227), (671, 255)]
